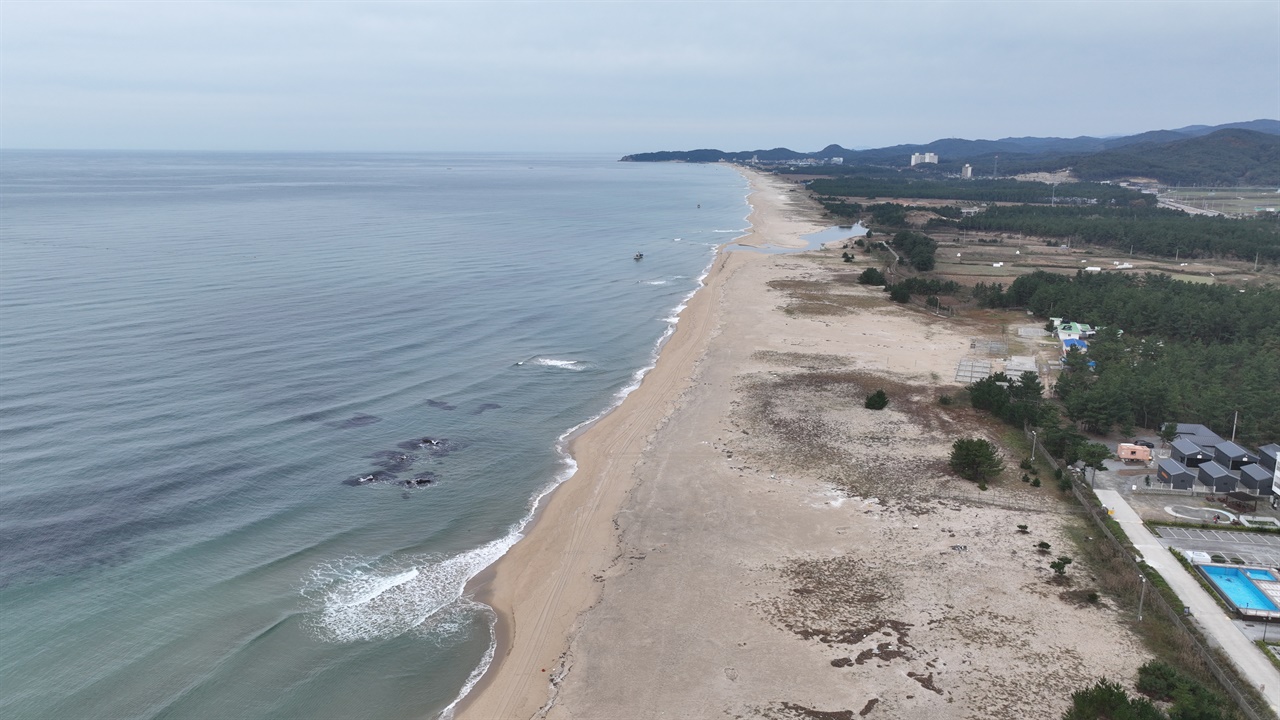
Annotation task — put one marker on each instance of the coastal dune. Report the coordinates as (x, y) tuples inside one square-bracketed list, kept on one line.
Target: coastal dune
[(742, 538)]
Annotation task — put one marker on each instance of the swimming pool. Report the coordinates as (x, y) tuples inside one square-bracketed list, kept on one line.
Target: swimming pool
[(1236, 585)]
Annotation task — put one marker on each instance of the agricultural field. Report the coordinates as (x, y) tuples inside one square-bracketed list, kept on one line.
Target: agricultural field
[(968, 258), (1231, 201)]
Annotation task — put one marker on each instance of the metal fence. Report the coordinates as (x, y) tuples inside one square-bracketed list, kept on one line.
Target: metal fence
[(1095, 512)]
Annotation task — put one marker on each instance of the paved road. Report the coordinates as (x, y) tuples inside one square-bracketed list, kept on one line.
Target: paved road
[(1253, 665), (1253, 548)]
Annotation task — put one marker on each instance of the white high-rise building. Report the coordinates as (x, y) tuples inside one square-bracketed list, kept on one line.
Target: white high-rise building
[(917, 158), (967, 172)]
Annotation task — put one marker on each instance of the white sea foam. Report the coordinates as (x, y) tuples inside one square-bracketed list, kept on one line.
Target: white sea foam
[(653, 282), (362, 587), (554, 362), (480, 669)]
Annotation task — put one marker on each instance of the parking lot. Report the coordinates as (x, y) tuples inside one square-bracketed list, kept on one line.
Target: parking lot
[(1252, 548)]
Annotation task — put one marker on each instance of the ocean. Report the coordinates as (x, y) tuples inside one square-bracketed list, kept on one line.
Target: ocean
[(263, 415)]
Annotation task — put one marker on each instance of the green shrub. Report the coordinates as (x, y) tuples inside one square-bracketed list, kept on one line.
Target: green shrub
[(876, 401), (871, 276), (975, 459), (1108, 699), (945, 400), (1060, 565)]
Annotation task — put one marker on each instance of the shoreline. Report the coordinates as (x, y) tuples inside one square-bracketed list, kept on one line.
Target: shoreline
[(511, 586)]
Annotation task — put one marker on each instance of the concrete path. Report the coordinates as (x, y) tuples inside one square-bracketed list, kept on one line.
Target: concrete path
[(1250, 661)]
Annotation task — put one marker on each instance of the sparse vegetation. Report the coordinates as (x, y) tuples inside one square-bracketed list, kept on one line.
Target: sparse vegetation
[(1060, 565)]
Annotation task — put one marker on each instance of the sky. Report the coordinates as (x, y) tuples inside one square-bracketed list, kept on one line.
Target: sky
[(622, 77)]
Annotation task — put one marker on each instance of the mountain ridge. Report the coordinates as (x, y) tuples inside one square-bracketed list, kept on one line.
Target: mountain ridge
[(1246, 151)]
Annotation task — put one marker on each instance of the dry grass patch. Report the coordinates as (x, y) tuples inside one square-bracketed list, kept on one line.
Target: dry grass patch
[(807, 361)]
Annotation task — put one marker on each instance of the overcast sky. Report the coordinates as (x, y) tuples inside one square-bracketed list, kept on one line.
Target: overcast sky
[(622, 77)]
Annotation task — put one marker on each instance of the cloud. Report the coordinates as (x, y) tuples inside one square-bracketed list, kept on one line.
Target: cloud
[(618, 77)]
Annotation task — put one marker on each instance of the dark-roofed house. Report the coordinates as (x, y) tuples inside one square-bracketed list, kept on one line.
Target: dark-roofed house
[(1256, 478), (1230, 455), (1192, 429), (1173, 473), (1268, 456), (1198, 434), (1216, 477), (1189, 453)]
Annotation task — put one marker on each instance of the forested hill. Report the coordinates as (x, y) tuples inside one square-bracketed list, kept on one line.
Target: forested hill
[(1245, 153), (1226, 157)]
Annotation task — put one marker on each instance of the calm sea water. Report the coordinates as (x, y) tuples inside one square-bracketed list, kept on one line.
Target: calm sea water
[(201, 354)]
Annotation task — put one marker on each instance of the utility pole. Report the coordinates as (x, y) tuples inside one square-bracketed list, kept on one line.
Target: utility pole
[(1234, 420)]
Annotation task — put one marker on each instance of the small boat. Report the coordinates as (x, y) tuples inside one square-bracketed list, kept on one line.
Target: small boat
[(639, 256)]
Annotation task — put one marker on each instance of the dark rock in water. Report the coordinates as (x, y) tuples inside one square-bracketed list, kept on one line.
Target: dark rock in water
[(441, 404), (421, 480), (393, 461), (357, 420), (444, 446), (433, 446), (371, 478), (486, 406), (311, 417)]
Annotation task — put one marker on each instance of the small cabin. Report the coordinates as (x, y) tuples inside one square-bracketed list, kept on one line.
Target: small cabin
[(1215, 477), (1172, 473), (1268, 456), (1230, 455), (1188, 453), (1256, 478)]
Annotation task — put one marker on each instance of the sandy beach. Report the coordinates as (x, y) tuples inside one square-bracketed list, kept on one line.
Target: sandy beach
[(744, 539)]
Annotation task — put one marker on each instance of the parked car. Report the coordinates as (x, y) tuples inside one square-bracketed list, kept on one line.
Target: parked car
[(1143, 443)]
